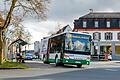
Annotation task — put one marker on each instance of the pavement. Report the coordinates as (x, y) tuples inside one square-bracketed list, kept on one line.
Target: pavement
[(100, 70), (93, 64), (38, 64), (97, 62)]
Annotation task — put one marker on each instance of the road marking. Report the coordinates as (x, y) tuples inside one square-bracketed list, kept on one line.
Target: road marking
[(42, 79), (111, 69)]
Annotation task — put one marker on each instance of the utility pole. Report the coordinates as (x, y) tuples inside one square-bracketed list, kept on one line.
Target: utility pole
[(113, 50)]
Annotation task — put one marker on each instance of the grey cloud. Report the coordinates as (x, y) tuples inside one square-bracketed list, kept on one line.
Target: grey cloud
[(68, 10)]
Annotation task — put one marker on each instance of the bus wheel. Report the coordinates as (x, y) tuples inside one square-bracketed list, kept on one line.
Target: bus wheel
[(79, 65), (56, 62), (61, 64), (44, 60)]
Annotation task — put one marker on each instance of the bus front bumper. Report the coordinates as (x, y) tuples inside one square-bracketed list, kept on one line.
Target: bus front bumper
[(72, 61)]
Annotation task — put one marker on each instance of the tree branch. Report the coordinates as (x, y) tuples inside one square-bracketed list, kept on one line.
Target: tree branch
[(8, 18)]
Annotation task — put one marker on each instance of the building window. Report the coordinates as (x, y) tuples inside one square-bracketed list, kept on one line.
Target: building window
[(84, 24), (108, 36), (78, 23), (96, 36), (102, 23), (90, 23), (96, 24), (114, 23), (118, 36), (108, 24)]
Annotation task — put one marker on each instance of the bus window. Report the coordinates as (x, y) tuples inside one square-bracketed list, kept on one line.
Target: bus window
[(55, 44), (77, 43)]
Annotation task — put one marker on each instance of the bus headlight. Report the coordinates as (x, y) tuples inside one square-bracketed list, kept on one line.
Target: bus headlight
[(88, 58), (66, 56)]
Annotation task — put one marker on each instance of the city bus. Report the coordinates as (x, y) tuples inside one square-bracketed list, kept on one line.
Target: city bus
[(66, 48)]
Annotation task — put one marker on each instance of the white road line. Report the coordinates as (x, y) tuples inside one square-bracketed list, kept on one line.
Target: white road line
[(111, 69)]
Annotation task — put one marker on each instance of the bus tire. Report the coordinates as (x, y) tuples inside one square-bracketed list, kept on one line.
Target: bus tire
[(44, 61), (56, 62), (79, 65), (61, 64)]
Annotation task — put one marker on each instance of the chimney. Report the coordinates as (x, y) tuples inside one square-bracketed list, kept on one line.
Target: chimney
[(91, 10)]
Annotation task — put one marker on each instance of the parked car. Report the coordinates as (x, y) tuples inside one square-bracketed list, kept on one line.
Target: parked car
[(28, 56), (35, 57), (109, 57)]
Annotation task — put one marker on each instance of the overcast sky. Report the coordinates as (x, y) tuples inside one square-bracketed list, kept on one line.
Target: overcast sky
[(65, 11)]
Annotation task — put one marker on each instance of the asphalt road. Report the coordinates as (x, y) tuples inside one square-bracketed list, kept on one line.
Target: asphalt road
[(39, 71)]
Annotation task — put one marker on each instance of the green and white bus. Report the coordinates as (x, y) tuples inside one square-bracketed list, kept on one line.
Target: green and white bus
[(66, 48)]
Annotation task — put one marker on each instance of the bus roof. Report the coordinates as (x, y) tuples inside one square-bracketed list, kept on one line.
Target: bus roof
[(68, 32), (79, 33)]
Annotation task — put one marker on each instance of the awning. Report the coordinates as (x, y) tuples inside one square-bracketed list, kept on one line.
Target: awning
[(19, 41)]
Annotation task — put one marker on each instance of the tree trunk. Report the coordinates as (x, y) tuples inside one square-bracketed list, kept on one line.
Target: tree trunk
[(1, 47), (5, 48), (4, 27)]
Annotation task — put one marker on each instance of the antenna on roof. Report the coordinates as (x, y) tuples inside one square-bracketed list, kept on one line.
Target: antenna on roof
[(91, 10)]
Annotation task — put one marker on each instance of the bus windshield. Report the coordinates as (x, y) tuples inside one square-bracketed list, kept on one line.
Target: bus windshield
[(77, 42)]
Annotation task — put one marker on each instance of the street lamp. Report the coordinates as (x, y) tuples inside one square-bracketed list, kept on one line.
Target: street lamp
[(96, 36)]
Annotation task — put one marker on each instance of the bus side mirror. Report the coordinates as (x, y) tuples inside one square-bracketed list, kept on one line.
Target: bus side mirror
[(92, 43), (90, 39)]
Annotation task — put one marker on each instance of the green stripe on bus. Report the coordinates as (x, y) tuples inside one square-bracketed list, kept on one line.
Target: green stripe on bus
[(72, 61)]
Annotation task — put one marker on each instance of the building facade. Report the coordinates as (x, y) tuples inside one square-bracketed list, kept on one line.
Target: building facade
[(105, 30), (36, 46)]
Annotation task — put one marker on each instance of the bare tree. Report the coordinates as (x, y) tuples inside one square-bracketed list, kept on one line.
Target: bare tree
[(17, 30), (35, 8), (57, 28)]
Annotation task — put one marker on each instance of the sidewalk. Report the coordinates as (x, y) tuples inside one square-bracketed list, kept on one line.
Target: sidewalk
[(106, 62)]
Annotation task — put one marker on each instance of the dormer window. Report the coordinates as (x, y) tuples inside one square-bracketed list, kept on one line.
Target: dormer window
[(108, 24), (96, 24), (84, 24)]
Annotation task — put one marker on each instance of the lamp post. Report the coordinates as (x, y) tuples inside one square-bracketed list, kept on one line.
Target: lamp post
[(98, 51), (113, 49), (97, 43)]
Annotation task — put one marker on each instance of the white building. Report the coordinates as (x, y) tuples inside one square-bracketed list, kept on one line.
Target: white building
[(105, 30), (36, 46)]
